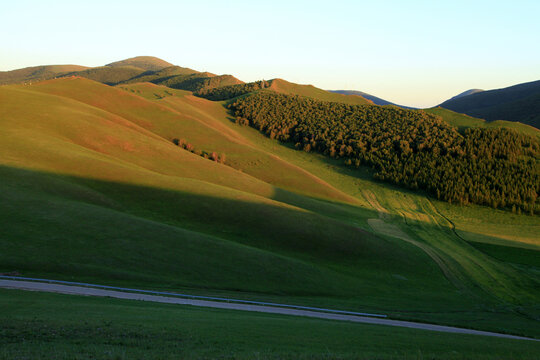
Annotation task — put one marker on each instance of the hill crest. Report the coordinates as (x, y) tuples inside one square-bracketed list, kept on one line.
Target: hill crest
[(467, 93), (376, 100), (37, 73), (519, 102), (143, 62)]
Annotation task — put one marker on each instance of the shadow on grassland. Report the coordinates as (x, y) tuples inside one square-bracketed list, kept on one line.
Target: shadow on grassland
[(82, 229)]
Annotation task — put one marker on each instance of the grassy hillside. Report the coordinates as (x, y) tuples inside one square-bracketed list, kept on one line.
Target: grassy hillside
[(109, 75), (200, 82), (411, 216), (374, 99), (150, 69), (193, 119), (143, 62), (163, 74), (177, 77), (463, 121), (515, 103), (133, 70), (175, 207), (94, 189), (282, 87), (37, 73)]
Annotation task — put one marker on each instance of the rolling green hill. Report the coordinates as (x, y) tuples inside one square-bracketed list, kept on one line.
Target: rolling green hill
[(175, 77), (94, 189), (150, 63), (376, 100), (198, 82), (37, 73), (133, 70), (282, 87), (463, 121), (164, 74), (109, 75), (126, 152), (515, 103)]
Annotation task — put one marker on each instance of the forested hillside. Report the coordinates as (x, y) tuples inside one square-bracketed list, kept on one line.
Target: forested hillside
[(494, 167), (231, 91), (279, 86)]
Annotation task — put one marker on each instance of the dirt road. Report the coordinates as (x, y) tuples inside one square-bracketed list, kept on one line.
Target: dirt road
[(88, 291)]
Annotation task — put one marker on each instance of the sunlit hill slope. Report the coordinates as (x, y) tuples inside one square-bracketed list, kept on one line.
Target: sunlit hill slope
[(94, 188)]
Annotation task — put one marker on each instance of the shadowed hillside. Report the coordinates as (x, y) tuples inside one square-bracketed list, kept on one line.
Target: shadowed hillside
[(515, 103), (101, 146), (157, 76), (109, 75), (467, 93), (464, 121)]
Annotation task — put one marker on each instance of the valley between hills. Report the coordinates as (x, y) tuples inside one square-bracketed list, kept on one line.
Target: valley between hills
[(147, 175)]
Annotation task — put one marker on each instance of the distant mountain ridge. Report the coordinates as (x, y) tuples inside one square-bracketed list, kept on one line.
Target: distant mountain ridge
[(467, 93), (376, 100), (520, 103), (160, 72), (136, 69), (37, 73), (221, 93)]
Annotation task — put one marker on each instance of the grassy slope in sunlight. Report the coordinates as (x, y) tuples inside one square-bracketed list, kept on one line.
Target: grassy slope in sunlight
[(271, 221), (285, 87)]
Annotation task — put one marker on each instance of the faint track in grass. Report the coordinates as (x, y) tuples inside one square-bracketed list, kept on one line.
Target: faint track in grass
[(382, 227)]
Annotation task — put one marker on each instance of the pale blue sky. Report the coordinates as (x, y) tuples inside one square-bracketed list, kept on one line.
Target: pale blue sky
[(415, 53)]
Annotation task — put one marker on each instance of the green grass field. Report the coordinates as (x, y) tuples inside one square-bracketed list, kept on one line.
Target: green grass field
[(45, 326), (285, 87), (93, 189), (463, 121)]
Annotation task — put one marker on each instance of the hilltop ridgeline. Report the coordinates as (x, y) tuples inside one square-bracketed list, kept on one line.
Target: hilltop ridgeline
[(515, 103), (280, 86), (231, 91), (133, 70), (494, 167), (376, 100)]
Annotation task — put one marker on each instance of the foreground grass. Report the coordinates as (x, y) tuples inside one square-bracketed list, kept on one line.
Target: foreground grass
[(54, 326)]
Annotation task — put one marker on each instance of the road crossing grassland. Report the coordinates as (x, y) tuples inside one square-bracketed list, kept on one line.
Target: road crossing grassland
[(89, 291), (38, 325)]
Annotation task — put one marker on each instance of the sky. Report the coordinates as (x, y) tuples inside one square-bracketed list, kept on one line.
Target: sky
[(415, 53)]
